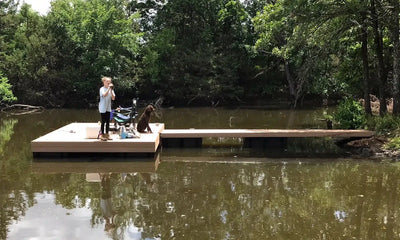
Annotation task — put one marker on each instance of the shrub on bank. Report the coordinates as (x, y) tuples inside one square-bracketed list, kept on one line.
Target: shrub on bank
[(386, 125), (393, 144), (350, 115)]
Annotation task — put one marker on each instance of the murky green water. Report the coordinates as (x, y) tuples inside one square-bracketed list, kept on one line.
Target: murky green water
[(309, 191)]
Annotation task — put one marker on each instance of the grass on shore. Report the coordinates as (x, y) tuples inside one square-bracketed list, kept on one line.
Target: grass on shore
[(387, 126)]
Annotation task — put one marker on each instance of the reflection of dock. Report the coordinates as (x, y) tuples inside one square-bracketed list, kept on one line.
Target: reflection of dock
[(73, 138), (145, 165)]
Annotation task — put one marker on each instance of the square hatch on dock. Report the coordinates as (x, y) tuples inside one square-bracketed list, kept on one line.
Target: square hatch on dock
[(72, 138)]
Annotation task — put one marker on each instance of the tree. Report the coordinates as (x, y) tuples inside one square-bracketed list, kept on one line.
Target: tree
[(198, 52), (100, 38), (318, 40), (8, 9), (6, 94), (364, 57), (8, 25), (294, 32), (28, 65), (381, 68), (394, 30)]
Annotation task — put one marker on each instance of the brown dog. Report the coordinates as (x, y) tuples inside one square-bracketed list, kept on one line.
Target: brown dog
[(144, 120)]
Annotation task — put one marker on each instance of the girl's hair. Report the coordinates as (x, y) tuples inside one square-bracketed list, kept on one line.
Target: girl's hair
[(103, 79)]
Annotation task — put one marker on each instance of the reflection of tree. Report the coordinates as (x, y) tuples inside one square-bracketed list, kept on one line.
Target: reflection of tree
[(317, 147), (315, 200), (8, 211), (392, 206), (17, 185), (275, 200), (279, 201), (239, 201), (6, 131)]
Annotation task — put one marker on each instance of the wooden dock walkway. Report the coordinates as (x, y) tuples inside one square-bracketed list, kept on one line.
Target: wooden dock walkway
[(254, 138), (253, 133)]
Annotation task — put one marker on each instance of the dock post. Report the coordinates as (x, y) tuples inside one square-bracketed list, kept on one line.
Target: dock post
[(182, 142), (265, 142), (192, 142)]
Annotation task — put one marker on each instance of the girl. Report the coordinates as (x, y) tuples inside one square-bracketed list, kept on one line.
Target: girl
[(106, 95)]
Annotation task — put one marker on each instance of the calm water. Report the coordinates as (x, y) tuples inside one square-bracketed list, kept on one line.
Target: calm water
[(309, 191)]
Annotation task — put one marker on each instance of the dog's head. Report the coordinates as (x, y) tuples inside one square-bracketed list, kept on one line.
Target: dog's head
[(149, 109)]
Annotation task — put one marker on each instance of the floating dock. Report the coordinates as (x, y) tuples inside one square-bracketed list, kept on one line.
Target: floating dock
[(81, 138)]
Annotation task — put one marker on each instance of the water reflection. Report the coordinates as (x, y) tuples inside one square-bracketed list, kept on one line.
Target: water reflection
[(210, 193), (104, 186), (6, 132), (234, 198), (106, 204)]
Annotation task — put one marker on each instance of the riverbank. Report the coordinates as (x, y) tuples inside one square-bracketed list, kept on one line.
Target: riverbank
[(374, 148)]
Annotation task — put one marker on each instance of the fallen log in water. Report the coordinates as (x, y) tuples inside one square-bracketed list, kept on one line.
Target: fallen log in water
[(20, 109)]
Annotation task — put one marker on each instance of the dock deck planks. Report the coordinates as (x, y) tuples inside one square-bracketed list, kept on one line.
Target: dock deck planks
[(72, 139), (264, 133)]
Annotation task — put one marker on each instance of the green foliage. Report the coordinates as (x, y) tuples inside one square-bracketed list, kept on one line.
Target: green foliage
[(393, 144), (6, 94), (192, 52), (350, 115), (160, 47), (328, 117), (59, 59), (98, 39), (27, 66), (6, 132), (386, 125), (319, 43), (198, 52)]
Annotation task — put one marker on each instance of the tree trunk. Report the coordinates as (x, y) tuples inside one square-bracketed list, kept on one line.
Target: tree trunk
[(396, 57), (291, 83), (364, 56), (379, 54)]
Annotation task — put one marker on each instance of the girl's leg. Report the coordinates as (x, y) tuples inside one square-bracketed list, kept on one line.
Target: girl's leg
[(107, 122), (103, 121)]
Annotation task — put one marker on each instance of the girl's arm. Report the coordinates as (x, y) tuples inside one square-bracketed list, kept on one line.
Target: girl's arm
[(104, 94), (112, 95)]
